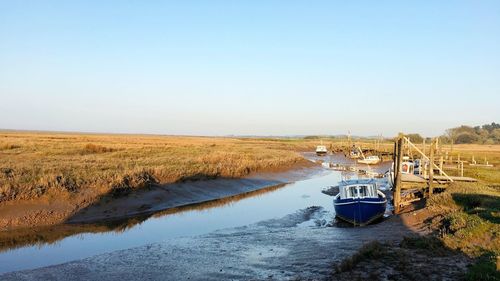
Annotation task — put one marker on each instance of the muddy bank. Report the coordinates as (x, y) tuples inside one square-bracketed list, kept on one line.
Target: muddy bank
[(420, 256), (414, 258), (163, 197), (305, 245), (288, 248), (85, 208)]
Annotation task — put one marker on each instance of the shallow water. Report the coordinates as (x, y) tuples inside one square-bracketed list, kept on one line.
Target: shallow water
[(204, 218), (74, 242)]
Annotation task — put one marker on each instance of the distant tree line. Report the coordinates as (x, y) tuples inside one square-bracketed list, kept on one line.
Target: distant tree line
[(485, 134)]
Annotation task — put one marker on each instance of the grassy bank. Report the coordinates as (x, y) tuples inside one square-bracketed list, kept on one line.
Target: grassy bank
[(464, 244), (49, 176), (470, 223), (464, 220)]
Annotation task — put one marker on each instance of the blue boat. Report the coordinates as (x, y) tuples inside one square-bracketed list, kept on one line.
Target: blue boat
[(359, 201)]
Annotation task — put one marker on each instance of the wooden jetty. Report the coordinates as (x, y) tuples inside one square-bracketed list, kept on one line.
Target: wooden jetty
[(410, 187), (437, 179)]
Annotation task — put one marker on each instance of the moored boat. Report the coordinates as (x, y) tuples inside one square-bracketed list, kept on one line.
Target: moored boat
[(359, 201), (321, 150), (370, 160), (354, 154)]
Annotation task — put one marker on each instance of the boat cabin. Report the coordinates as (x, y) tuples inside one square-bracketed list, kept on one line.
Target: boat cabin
[(321, 149), (407, 168), (358, 189)]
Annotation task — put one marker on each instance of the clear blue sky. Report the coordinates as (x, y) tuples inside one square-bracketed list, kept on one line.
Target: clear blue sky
[(249, 67)]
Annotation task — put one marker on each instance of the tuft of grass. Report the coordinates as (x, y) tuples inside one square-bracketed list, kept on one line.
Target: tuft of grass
[(428, 244), (94, 148), (485, 268), (8, 146), (371, 250)]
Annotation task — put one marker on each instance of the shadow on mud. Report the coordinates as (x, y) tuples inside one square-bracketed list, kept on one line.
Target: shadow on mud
[(485, 206)]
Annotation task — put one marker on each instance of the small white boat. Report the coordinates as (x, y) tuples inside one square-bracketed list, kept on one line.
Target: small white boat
[(370, 160), (321, 150), (407, 167), (354, 154)]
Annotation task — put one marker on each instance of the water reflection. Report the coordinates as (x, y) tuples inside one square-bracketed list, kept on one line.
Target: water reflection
[(31, 248), (39, 236)]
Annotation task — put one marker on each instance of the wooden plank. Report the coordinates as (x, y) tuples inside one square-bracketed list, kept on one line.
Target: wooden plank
[(425, 156), (397, 180), (423, 179), (431, 170), (412, 178)]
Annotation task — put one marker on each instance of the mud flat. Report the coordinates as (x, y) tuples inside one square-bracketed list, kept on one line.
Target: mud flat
[(304, 245), (278, 249)]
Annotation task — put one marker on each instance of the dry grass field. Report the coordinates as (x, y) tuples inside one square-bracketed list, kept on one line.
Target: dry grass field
[(36, 164), (56, 174)]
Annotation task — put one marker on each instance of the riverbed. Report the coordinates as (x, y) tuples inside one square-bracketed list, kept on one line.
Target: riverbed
[(302, 201)]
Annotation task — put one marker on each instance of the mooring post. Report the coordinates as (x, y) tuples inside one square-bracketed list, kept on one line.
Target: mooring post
[(441, 166), (431, 168), (397, 171)]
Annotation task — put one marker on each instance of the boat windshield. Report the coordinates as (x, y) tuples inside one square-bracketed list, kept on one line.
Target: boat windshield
[(360, 191)]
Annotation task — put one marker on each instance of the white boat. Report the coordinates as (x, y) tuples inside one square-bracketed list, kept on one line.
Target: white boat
[(407, 167), (370, 160), (321, 150), (354, 154)]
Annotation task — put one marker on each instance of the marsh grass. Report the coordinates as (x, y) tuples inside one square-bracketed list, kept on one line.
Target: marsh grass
[(94, 148), (485, 268), (471, 224), (34, 164), (409, 260), (8, 146), (371, 250)]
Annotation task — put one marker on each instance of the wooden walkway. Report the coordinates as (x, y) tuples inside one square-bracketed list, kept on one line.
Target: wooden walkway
[(439, 179)]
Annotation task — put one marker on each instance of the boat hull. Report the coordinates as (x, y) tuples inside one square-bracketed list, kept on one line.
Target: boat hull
[(360, 211), (369, 162)]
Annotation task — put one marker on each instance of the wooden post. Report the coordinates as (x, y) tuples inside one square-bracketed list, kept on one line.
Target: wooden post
[(462, 168), (458, 157), (423, 146), (441, 165), (397, 179), (431, 169)]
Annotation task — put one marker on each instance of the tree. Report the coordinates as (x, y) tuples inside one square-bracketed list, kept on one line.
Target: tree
[(466, 137), (491, 127), (416, 138), (495, 135)]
